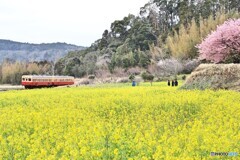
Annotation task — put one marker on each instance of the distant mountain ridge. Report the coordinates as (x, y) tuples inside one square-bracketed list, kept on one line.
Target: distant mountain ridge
[(18, 51)]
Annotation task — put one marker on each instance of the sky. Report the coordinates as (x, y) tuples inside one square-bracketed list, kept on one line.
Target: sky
[(79, 22)]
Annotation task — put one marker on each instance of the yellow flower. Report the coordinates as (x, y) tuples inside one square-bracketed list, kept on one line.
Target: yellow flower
[(115, 151), (96, 123)]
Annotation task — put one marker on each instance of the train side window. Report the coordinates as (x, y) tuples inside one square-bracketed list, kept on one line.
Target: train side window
[(23, 79)]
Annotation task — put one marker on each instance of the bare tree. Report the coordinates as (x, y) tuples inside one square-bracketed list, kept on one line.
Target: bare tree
[(53, 63)]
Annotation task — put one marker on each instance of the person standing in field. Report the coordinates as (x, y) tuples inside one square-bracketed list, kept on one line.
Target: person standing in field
[(168, 82), (176, 82), (173, 83)]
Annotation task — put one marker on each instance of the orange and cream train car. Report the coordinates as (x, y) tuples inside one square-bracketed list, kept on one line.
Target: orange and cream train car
[(33, 81)]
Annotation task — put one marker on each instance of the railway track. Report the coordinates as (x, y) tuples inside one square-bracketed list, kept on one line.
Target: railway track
[(10, 87)]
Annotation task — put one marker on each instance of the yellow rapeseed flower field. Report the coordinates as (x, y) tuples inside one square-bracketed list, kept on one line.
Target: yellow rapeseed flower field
[(118, 122)]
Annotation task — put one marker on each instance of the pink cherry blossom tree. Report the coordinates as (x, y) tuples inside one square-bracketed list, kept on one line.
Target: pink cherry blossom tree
[(222, 45)]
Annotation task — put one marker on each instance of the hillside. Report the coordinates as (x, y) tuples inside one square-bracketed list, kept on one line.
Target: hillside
[(34, 52), (161, 39)]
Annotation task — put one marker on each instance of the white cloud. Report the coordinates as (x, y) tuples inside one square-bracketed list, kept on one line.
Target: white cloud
[(73, 21)]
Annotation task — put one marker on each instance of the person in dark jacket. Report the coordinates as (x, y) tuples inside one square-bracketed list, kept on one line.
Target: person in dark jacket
[(173, 83), (168, 82), (176, 82)]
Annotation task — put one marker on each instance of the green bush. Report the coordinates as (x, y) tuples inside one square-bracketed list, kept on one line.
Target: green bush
[(147, 77), (132, 77), (91, 77)]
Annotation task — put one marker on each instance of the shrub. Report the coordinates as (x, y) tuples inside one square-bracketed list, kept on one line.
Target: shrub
[(91, 77), (131, 77), (184, 77), (147, 77)]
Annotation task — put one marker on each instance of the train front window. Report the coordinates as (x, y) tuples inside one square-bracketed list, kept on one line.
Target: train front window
[(29, 79), (23, 79)]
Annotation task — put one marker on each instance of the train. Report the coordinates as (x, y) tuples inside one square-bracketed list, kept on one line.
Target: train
[(37, 81)]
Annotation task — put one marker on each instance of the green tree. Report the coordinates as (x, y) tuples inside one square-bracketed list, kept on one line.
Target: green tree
[(144, 59), (131, 77), (147, 77), (104, 41)]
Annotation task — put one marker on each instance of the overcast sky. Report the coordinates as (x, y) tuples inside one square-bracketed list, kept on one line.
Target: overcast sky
[(79, 22)]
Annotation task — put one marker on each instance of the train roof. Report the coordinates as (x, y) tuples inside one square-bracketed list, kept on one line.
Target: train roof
[(43, 76)]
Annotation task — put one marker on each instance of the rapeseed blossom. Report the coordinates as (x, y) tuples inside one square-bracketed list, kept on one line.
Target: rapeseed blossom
[(114, 122)]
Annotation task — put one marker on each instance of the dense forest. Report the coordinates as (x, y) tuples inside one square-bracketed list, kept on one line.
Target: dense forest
[(165, 32), (161, 40)]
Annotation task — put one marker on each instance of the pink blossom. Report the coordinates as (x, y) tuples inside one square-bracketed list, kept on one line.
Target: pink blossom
[(223, 42)]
